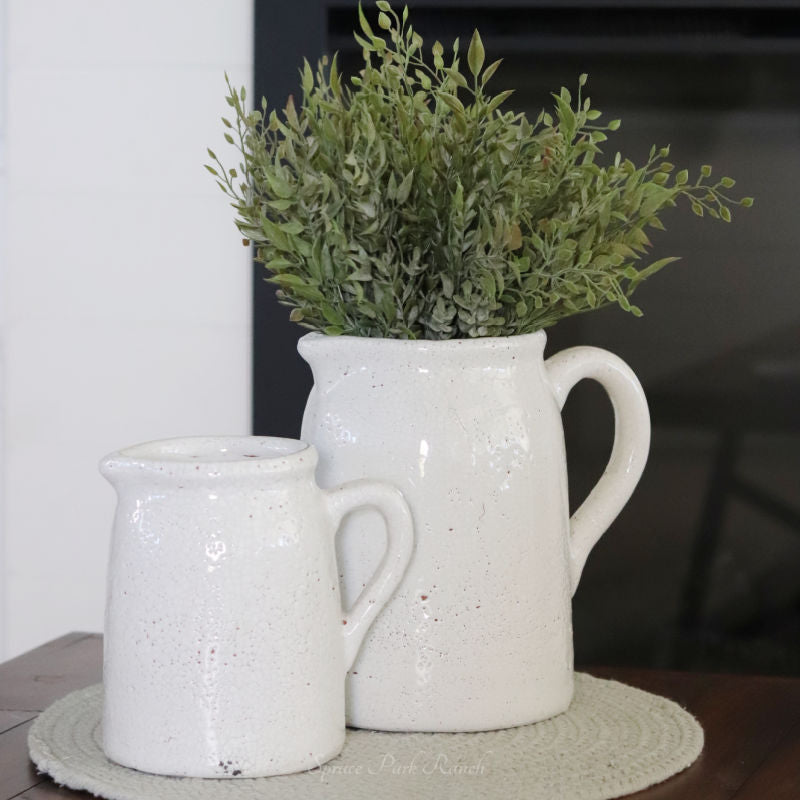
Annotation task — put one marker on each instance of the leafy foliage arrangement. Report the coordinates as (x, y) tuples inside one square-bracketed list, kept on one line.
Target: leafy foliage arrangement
[(408, 204)]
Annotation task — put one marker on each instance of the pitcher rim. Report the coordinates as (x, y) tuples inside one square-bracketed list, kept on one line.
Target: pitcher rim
[(173, 456), (315, 338)]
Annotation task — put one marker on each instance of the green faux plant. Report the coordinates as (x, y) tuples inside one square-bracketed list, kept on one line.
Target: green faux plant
[(407, 203)]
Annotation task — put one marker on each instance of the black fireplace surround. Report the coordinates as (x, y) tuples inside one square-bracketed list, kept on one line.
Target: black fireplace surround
[(699, 570)]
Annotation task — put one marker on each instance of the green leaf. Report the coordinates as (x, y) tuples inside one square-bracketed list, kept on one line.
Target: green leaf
[(362, 20), (653, 268), (566, 115), (604, 214), (278, 264), (384, 21), (307, 81), (333, 316), (497, 100), (288, 280), (365, 45), (456, 77), (278, 185), (334, 76), (447, 286), (452, 102), (489, 71), (653, 203), (280, 205), (327, 263), (293, 227), (475, 54), (404, 189), (297, 287)]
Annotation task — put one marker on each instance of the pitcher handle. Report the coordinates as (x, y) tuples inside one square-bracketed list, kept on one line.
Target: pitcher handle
[(400, 541), (631, 442)]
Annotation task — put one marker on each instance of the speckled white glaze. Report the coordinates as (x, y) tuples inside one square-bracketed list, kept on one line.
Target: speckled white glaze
[(226, 646), (479, 633)]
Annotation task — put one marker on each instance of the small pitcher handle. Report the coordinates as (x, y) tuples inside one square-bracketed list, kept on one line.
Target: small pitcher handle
[(631, 442), (400, 541)]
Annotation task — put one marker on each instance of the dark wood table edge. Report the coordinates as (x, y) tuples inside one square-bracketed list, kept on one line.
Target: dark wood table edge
[(35, 669)]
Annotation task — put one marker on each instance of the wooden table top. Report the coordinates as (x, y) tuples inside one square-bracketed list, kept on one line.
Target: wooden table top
[(752, 724)]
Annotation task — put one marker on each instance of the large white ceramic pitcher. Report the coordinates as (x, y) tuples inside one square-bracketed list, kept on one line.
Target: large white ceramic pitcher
[(479, 633)]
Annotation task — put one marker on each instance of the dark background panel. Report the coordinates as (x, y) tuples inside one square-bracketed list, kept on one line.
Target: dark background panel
[(700, 570), (285, 33)]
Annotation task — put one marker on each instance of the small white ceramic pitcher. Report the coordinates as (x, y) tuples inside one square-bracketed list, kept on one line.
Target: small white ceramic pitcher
[(226, 646)]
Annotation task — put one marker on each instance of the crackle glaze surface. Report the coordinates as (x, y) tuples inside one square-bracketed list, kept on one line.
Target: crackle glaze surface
[(479, 633), (225, 642)]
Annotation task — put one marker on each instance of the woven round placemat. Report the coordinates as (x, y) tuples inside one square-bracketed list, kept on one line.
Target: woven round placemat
[(612, 741)]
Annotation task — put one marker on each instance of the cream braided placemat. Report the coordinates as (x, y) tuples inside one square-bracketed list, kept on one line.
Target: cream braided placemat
[(612, 741)]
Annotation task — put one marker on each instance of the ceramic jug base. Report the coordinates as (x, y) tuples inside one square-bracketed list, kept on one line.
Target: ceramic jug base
[(228, 769), (460, 719)]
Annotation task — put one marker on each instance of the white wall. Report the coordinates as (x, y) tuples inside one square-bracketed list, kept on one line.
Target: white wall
[(125, 305), (3, 182)]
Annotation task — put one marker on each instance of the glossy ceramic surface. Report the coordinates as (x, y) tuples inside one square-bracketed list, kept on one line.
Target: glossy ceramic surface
[(225, 642), (479, 634)]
